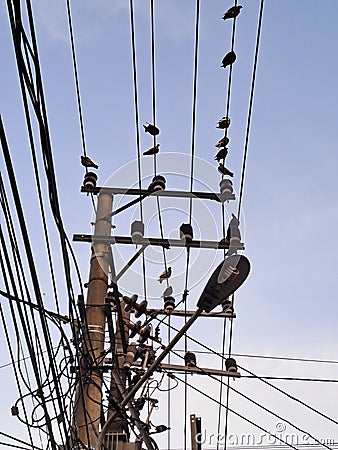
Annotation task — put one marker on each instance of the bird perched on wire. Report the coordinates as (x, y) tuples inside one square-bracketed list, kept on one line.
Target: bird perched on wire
[(232, 12), (222, 142), (87, 162), (224, 171), (221, 154), (228, 59), (233, 236), (167, 292), (152, 150), (223, 123), (151, 129), (165, 275)]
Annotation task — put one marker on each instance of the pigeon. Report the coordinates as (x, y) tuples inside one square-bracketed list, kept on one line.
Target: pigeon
[(223, 123), (167, 292), (165, 275), (228, 59), (233, 236), (222, 142), (152, 150), (87, 162), (221, 154), (223, 170), (232, 12), (151, 129)]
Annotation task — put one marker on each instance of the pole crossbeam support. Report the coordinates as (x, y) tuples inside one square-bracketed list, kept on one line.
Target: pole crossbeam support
[(199, 370), (218, 197), (166, 243)]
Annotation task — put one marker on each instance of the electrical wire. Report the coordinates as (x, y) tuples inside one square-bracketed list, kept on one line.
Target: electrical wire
[(284, 420), (153, 81), (259, 378), (77, 87), (246, 145), (237, 414)]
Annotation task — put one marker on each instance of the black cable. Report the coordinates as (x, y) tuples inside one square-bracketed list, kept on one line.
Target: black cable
[(221, 387), (237, 414), (283, 419), (261, 379), (260, 20), (193, 125), (153, 74)]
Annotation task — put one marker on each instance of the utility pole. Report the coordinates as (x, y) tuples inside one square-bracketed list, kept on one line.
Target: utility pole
[(111, 431), (88, 405)]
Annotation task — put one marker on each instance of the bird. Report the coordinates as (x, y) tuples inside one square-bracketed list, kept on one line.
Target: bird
[(223, 123), (232, 12), (167, 292), (152, 150), (87, 162), (222, 142), (228, 59), (165, 275), (151, 129), (221, 154), (223, 170), (233, 236)]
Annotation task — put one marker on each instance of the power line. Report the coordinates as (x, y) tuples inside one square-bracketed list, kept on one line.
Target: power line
[(246, 146)]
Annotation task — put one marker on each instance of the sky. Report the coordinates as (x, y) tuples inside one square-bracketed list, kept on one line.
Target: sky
[(287, 307)]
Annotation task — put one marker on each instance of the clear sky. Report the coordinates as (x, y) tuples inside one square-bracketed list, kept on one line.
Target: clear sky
[(288, 305)]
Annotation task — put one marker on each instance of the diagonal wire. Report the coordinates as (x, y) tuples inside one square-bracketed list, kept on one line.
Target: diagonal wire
[(137, 128), (260, 20), (77, 87)]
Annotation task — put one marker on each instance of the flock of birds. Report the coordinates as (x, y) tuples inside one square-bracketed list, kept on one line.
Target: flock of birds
[(222, 124)]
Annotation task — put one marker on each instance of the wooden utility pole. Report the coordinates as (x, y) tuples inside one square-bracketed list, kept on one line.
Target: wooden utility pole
[(88, 405)]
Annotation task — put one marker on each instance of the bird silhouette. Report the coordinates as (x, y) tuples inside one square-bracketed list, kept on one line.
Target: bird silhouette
[(223, 123), (167, 292), (221, 154), (233, 236), (232, 12), (152, 150), (87, 162), (222, 142), (228, 59), (165, 275), (151, 129), (223, 170)]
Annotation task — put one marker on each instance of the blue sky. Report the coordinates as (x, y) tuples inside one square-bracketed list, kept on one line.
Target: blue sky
[(288, 305)]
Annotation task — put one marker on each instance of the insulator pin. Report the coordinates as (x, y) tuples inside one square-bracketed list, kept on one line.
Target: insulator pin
[(190, 359), (169, 303), (186, 231), (137, 230), (90, 180), (157, 184), (231, 365)]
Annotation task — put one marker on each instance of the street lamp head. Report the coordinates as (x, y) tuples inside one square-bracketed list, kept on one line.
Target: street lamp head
[(225, 280)]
